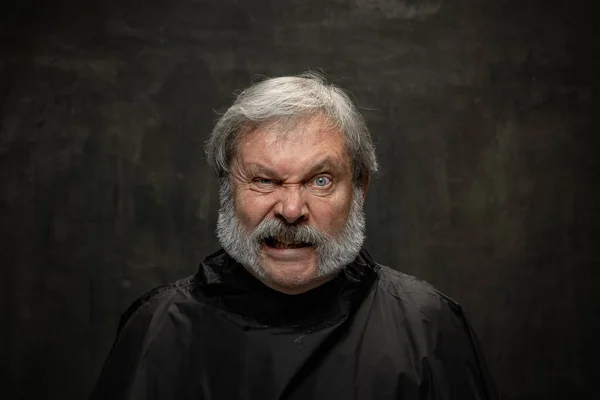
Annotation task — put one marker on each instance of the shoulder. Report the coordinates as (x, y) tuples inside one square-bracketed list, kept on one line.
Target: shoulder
[(155, 299), (414, 293), (424, 309)]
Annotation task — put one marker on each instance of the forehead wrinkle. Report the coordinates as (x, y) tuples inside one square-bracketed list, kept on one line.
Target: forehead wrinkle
[(277, 132), (274, 136)]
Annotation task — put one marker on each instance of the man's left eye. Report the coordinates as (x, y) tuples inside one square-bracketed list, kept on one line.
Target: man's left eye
[(322, 181)]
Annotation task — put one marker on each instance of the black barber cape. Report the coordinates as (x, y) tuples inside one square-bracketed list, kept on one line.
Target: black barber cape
[(370, 333)]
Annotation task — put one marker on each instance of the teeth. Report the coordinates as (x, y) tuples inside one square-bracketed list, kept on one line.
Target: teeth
[(286, 240)]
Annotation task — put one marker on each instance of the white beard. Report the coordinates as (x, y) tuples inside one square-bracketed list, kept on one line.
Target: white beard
[(333, 253)]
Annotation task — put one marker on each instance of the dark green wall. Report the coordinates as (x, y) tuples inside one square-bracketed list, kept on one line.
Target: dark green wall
[(483, 113)]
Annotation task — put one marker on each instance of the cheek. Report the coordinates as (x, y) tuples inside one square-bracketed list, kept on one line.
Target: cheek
[(331, 216), (251, 208)]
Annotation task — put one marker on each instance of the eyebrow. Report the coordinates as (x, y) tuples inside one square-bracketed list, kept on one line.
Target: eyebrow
[(326, 164)]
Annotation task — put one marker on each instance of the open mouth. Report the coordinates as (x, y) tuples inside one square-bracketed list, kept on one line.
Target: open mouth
[(284, 243)]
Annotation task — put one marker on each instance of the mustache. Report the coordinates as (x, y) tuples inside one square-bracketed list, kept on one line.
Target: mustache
[(299, 233)]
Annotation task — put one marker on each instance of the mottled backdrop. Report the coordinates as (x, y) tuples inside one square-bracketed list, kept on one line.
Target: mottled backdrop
[(483, 112)]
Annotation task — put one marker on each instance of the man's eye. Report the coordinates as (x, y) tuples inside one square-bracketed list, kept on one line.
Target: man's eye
[(263, 181), (322, 181)]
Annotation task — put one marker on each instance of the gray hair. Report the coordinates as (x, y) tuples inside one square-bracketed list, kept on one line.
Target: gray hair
[(286, 100)]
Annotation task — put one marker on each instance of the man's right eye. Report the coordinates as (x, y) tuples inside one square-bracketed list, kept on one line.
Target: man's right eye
[(263, 181)]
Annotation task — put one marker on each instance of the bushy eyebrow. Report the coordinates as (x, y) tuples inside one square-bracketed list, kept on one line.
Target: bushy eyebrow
[(327, 164)]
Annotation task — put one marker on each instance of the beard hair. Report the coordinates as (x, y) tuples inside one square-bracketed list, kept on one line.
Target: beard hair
[(333, 252)]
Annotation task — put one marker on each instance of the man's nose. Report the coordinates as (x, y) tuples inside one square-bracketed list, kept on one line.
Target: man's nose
[(292, 206)]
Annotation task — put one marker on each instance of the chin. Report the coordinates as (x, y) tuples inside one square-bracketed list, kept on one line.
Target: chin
[(292, 277)]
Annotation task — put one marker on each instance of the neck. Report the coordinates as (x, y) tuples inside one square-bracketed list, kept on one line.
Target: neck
[(293, 290)]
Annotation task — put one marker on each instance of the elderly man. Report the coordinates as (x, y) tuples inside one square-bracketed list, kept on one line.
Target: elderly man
[(292, 307)]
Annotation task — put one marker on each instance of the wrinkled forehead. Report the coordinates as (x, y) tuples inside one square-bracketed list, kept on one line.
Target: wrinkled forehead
[(287, 129)]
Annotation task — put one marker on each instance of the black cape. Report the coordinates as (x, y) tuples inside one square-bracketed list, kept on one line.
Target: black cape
[(370, 333)]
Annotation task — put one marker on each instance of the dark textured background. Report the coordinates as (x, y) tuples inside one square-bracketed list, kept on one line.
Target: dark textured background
[(483, 113)]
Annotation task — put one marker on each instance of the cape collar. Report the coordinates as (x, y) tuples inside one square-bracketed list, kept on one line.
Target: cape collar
[(226, 284)]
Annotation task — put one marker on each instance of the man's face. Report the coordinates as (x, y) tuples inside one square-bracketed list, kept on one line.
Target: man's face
[(292, 215)]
